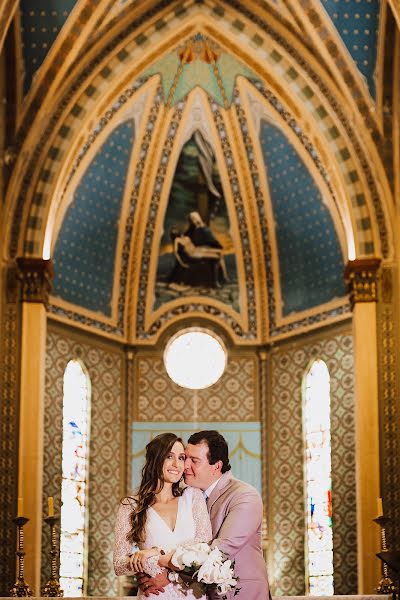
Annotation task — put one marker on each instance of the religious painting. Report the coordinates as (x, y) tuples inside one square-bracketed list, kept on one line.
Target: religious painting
[(197, 255)]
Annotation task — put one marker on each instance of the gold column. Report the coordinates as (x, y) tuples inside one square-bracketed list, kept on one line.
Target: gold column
[(361, 277), (35, 276)]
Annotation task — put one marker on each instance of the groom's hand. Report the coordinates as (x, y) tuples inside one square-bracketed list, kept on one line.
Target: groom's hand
[(152, 585)]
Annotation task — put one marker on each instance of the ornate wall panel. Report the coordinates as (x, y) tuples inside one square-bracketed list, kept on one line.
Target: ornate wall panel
[(58, 353), (9, 419), (287, 511), (388, 341), (104, 366), (233, 398)]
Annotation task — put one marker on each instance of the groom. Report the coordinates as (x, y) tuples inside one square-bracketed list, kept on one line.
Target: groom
[(235, 510)]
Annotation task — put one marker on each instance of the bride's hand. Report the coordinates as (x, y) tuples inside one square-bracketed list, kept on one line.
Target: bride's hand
[(164, 560), (137, 560)]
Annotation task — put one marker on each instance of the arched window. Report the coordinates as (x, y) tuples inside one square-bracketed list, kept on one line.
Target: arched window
[(195, 358), (75, 448), (318, 481)]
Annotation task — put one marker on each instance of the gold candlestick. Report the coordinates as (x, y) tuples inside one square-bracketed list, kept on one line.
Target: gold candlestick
[(20, 588), (52, 587), (385, 585)]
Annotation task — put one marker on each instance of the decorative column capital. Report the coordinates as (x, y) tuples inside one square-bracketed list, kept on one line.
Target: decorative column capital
[(361, 277), (35, 275)]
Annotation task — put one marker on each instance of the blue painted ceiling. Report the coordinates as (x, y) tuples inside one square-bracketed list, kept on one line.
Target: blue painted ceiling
[(41, 22), (309, 254), (310, 259), (84, 256), (357, 22)]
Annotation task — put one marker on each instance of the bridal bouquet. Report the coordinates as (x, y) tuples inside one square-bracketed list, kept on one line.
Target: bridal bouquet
[(210, 567)]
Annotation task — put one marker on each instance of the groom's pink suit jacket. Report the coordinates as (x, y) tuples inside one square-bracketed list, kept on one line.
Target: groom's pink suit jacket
[(236, 513)]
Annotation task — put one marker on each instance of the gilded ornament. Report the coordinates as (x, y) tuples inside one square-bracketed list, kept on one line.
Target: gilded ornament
[(35, 275), (361, 278)]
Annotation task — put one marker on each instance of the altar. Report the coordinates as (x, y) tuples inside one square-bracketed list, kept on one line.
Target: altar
[(349, 597)]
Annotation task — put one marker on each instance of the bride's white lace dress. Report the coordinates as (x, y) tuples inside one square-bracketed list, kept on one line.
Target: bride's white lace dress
[(192, 525)]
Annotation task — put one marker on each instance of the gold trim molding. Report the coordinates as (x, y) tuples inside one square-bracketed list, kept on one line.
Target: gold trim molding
[(35, 275), (361, 277)]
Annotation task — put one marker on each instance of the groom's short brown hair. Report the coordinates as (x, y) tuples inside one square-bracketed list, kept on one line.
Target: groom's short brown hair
[(217, 447)]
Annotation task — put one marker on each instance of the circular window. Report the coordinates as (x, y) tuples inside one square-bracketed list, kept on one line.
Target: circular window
[(195, 358)]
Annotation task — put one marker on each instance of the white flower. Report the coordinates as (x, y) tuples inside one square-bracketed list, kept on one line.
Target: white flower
[(190, 555), (201, 547), (216, 556), (227, 573), (206, 572), (212, 566), (222, 589), (215, 570)]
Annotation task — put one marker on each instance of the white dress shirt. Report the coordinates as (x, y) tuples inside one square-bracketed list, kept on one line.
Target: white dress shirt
[(207, 492)]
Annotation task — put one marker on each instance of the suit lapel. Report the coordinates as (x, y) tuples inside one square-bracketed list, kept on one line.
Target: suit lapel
[(219, 489)]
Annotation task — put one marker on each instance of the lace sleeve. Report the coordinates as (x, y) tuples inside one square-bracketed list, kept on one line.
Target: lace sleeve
[(152, 567), (122, 548), (201, 518)]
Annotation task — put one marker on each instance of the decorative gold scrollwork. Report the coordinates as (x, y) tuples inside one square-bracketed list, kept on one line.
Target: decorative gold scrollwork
[(361, 278)]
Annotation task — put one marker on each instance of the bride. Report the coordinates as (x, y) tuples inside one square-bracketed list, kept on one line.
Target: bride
[(162, 516)]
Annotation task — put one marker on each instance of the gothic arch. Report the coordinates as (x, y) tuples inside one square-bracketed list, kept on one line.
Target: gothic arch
[(82, 108)]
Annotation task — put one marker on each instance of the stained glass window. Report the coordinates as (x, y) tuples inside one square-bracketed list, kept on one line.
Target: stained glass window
[(318, 481), (76, 424)]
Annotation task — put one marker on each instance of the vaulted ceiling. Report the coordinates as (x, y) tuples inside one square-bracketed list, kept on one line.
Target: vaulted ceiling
[(294, 104)]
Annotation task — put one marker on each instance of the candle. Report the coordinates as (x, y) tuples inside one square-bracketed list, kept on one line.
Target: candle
[(380, 507), (20, 507), (50, 504)]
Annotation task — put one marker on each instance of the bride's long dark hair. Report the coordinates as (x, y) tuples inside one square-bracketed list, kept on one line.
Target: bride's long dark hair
[(152, 482)]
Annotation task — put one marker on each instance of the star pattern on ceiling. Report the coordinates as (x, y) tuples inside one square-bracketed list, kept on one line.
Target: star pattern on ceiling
[(84, 256)]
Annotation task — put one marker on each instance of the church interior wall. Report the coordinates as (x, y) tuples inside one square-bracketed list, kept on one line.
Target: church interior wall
[(288, 363), (330, 88), (105, 365), (389, 417), (133, 398), (10, 323)]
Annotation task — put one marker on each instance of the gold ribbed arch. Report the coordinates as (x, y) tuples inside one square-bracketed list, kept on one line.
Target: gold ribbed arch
[(89, 93)]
